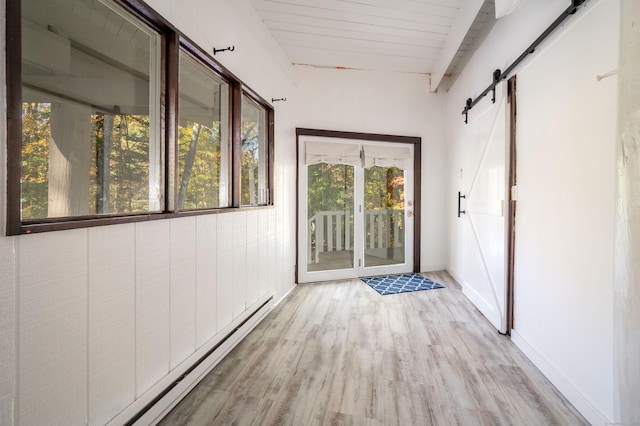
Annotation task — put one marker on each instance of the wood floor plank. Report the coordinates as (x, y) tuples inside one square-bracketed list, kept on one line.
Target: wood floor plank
[(319, 356), (356, 395), (259, 376), (240, 410), (304, 401), (200, 408), (341, 419), (404, 404), (338, 353), (456, 416)]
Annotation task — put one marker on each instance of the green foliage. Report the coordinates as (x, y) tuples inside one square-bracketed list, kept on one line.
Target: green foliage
[(203, 190), (125, 178), (129, 169), (128, 160), (384, 188), (250, 162), (128, 164), (330, 188), (35, 159)]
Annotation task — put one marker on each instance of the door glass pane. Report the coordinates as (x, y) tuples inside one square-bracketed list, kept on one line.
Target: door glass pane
[(330, 223), (383, 216)]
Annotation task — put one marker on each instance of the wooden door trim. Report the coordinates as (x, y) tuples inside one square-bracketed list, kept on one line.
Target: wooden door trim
[(375, 137), (511, 217)]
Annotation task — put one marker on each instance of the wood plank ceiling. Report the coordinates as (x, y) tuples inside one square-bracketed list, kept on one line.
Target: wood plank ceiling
[(415, 36)]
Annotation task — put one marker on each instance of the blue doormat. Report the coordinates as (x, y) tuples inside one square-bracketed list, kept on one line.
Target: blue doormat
[(393, 284)]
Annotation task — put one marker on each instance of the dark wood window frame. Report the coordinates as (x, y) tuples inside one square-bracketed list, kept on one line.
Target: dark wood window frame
[(204, 59), (374, 137), (172, 41)]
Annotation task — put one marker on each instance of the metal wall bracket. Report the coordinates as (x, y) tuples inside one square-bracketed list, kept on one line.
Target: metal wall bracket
[(230, 49)]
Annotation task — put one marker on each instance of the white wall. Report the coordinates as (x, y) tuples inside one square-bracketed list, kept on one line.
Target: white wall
[(566, 192), (386, 103), (566, 213), (91, 319)]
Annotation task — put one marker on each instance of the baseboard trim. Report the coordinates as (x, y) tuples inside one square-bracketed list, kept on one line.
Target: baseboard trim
[(278, 301), (483, 306), (456, 276), (571, 392), (433, 268), (161, 398)]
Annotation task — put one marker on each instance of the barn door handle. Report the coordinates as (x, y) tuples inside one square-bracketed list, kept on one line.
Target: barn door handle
[(460, 197)]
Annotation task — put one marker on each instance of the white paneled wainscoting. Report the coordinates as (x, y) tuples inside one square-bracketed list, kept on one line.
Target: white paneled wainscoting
[(150, 409), (114, 319)]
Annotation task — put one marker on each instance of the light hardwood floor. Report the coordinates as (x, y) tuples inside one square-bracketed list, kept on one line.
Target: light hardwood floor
[(338, 353)]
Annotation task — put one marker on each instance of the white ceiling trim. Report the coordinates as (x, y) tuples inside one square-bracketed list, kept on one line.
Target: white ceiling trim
[(459, 30)]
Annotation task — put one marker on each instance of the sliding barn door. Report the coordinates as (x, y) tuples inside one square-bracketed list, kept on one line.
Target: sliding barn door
[(484, 186)]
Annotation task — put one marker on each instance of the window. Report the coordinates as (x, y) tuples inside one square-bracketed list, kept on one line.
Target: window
[(254, 153), (90, 122), (114, 116), (203, 137)]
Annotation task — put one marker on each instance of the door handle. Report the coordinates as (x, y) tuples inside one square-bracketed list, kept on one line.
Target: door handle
[(460, 197)]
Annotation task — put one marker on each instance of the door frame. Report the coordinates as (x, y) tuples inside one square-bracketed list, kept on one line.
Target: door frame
[(373, 137)]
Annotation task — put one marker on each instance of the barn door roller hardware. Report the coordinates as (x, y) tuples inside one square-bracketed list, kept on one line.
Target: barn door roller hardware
[(230, 49), (498, 76), (470, 102), (460, 197)]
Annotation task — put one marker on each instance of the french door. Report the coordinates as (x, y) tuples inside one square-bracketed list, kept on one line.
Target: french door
[(355, 208)]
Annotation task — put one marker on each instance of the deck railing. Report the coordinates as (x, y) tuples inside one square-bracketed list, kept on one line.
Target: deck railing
[(333, 231)]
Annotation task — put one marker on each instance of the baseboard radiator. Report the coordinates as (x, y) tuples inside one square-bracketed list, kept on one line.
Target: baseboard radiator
[(149, 410)]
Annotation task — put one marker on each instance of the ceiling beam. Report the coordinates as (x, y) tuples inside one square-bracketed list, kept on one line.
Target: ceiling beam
[(468, 11), (507, 7)]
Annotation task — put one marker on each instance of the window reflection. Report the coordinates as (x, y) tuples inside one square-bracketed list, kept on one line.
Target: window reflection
[(90, 111), (203, 137), (254, 153)]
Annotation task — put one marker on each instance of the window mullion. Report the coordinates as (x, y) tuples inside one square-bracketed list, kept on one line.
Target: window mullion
[(270, 155), (14, 122), (236, 147), (170, 120)]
